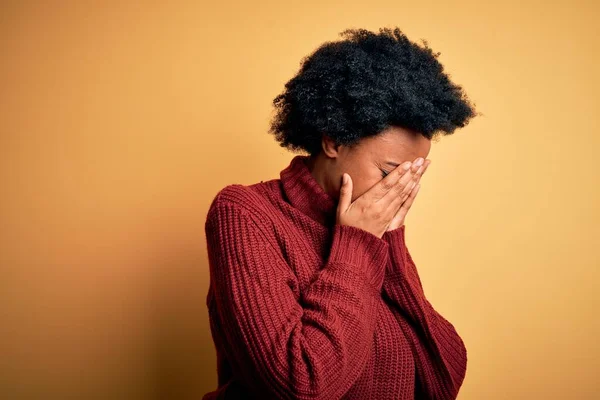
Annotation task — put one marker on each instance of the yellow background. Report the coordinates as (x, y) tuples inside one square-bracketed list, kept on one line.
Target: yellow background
[(119, 123)]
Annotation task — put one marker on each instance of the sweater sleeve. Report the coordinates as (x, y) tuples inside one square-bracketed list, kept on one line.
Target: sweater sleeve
[(441, 355), (285, 345)]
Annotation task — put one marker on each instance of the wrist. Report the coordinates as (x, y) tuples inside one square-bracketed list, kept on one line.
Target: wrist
[(394, 231)]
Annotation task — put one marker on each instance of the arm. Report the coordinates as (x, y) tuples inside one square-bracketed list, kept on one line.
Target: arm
[(441, 355), (314, 347)]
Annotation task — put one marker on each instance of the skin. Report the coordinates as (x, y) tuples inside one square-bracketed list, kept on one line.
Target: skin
[(365, 162)]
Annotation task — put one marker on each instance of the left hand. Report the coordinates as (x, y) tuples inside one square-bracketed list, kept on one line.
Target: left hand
[(398, 219)]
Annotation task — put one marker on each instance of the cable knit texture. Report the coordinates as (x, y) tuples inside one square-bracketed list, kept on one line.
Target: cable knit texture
[(303, 308)]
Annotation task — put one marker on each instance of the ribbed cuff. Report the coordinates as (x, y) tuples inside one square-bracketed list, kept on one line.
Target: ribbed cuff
[(396, 241), (361, 249), (395, 235)]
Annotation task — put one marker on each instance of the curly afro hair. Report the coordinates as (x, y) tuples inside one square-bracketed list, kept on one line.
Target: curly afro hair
[(358, 87)]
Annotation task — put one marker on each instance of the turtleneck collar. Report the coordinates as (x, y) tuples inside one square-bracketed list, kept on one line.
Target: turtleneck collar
[(306, 194)]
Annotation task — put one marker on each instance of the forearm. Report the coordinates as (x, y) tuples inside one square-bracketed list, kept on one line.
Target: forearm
[(441, 353)]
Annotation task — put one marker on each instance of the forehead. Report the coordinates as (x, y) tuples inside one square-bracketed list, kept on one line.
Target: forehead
[(397, 145)]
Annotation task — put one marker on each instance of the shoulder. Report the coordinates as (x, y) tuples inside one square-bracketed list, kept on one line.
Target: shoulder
[(245, 200), (238, 208)]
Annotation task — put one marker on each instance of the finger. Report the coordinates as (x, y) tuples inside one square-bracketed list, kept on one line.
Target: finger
[(408, 203), (399, 200), (422, 168), (384, 186), (417, 169), (404, 186), (411, 197), (417, 163), (417, 177), (345, 193), (425, 166)]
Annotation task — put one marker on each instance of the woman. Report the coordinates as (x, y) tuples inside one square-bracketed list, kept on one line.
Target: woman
[(313, 293)]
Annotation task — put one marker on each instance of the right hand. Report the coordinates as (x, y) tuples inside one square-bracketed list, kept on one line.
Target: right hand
[(374, 210)]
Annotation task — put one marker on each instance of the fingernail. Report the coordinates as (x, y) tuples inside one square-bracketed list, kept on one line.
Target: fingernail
[(419, 161), (406, 166)]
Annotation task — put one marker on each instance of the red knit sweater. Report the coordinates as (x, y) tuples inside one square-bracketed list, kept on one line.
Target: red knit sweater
[(303, 308)]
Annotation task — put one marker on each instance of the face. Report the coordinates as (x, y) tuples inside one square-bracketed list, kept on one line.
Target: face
[(371, 159)]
